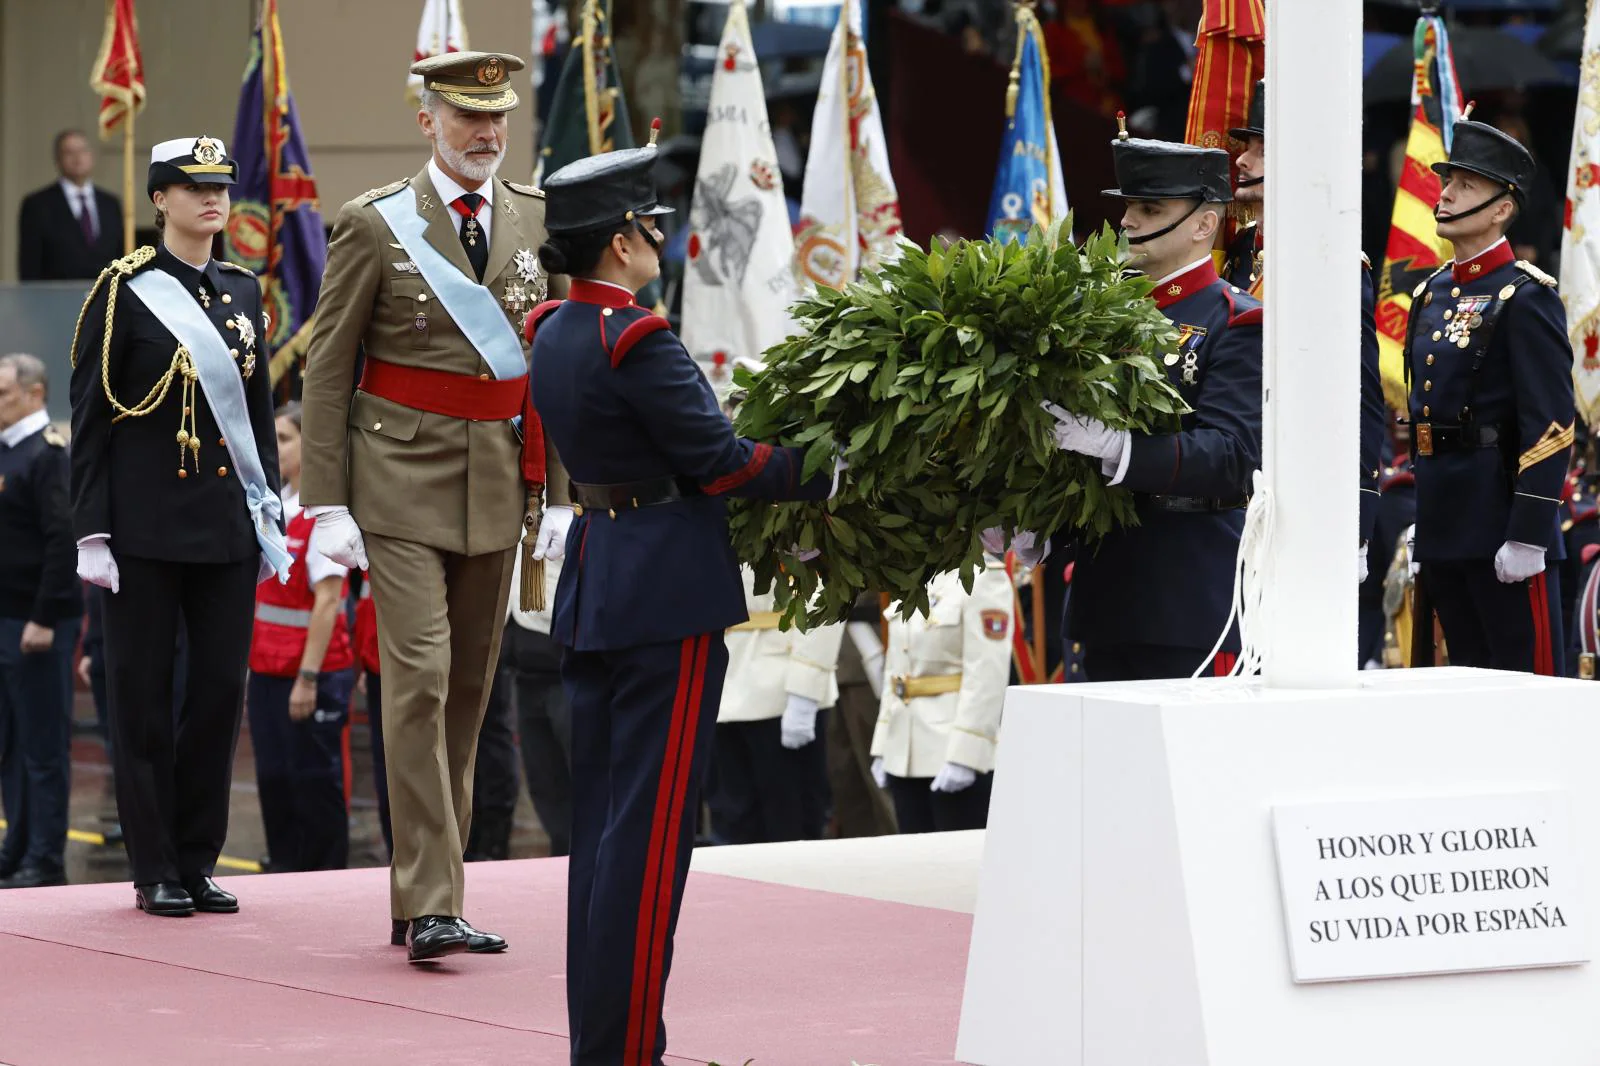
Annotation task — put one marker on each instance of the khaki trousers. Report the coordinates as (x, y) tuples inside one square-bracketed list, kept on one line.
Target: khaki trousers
[(440, 616)]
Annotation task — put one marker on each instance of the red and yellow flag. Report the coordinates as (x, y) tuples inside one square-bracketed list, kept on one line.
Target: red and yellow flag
[(118, 74), (1415, 248), (1230, 58)]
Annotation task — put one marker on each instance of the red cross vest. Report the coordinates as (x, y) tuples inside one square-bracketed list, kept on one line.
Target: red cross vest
[(283, 614)]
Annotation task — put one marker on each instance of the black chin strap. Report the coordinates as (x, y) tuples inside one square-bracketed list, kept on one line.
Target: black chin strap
[(1146, 238), (1250, 183), (1490, 202), (649, 238)]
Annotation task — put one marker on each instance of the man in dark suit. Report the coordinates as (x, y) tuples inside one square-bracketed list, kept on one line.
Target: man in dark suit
[(69, 229)]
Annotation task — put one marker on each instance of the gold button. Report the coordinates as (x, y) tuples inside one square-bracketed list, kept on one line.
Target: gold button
[(1437, 334), (222, 442), (483, 377), (1427, 386), (1430, 358), (1425, 411), (577, 510), (182, 473), (232, 324), (606, 311), (1077, 648), (222, 471), (234, 352), (1456, 291), (377, 425), (422, 297), (227, 298), (1074, 667)]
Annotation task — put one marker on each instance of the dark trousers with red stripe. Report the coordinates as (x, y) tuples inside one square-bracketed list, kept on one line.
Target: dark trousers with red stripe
[(1150, 662), (643, 723), (1491, 623)]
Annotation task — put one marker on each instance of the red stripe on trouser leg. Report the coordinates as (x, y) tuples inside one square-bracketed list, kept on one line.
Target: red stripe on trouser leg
[(1222, 665), (654, 987), (633, 1048), (1539, 605)]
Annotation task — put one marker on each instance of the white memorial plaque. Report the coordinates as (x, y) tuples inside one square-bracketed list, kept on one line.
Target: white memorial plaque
[(1394, 888)]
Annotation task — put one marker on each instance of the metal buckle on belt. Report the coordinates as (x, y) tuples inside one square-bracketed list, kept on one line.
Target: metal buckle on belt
[(899, 686), (1423, 433)]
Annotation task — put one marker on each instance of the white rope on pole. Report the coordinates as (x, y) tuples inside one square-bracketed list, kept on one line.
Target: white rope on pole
[(1249, 584)]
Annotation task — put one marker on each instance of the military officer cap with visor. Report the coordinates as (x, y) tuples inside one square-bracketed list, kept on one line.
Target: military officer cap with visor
[(604, 192), (472, 81), (190, 161), (1255, 123), (1483, 150), (1166, 170)]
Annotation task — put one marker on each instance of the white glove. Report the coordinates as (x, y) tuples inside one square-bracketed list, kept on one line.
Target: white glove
[(552, 542), (341, 538), (799, 726), (1361, 567), (879, 774), (96, 564), (1516, 561), (1089, 436), (840, 465), (953, 777)]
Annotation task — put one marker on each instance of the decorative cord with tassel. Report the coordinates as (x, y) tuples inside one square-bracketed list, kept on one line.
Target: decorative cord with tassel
[(1249, 583), (531, 593)]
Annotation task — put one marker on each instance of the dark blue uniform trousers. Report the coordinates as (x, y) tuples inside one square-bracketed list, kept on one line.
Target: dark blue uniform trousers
[(35, 747), (643, 722), (300, 772), (1490, 623)]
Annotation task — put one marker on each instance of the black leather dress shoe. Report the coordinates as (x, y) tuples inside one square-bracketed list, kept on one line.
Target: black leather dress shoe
[(165, 899), (34, 877), (434, 936), (481, 943), (397, 932), (210, 899)]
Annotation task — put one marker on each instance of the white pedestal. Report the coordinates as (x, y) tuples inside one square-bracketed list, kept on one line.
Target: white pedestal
[(1129, 910)]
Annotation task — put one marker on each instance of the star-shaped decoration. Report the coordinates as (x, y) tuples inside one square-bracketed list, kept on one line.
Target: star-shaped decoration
[(246, 328), (527, 264)]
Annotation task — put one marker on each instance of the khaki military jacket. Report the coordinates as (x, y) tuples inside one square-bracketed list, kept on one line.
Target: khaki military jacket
[(766, 665), (451, 483), (966, 636)]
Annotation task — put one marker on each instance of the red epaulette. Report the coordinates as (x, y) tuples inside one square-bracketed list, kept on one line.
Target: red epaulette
[(635, 332), (1250, 316), (536, 316)]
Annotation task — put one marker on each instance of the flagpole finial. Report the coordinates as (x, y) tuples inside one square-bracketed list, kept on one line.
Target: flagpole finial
[(1122, 126), (1466, 112), (655, 130)]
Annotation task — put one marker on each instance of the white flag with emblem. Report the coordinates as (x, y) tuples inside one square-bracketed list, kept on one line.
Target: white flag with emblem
[(441, 30), (849, 211), (1580, 241), (739, 277)]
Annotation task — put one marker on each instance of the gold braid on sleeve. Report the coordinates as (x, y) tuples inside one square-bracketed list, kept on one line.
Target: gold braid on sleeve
[(182, 365)]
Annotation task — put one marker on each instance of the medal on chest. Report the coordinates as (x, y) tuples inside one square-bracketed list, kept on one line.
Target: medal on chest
[(1465, 317), (1190, 338)]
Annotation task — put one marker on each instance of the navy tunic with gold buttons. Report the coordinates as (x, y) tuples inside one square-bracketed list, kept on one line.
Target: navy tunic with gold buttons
[(1492, 412)]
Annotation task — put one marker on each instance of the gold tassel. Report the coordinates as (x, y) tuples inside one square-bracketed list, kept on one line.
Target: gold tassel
[(532, 590)]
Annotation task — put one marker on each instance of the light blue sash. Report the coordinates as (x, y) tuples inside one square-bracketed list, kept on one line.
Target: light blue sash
[(175, 306), (471, 305)]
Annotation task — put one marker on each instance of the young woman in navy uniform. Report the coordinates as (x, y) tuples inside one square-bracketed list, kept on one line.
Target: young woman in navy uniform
[(176, 513), (302, 669), (649, 584), (1492, 413), (1149, 601)]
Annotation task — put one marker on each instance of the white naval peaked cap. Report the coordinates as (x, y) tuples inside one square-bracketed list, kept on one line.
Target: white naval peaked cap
[(183, 147)]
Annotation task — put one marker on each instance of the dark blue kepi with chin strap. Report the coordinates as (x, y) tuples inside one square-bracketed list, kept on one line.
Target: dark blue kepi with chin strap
[(649, 584)]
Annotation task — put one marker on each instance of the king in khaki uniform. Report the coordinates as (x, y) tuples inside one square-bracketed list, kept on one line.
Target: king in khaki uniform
[(422, 467), (939, 717)]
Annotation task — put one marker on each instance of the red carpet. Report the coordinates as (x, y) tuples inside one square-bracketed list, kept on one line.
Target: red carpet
[(784, 976)]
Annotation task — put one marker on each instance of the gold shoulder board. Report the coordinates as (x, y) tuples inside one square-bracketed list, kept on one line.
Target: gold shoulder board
[(382, 191), (1535, 273), (526, 190), (225, 265), (53, 437)]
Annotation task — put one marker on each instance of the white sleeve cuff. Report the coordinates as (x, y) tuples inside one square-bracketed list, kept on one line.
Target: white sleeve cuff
[(1117, 469), (84, 542), (326, 508)]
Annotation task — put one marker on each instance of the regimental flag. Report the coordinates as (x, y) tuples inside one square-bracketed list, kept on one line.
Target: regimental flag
[(1580, 241), (1028, 187), (118, 74), (1230, 57), (739, 281), (1415, 248), (850, 210), (441, 30), (275, 228), (588, 115), (550, 33)]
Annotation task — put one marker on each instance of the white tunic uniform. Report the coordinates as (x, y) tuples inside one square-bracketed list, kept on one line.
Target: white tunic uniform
[(964, 645), (766, 664)]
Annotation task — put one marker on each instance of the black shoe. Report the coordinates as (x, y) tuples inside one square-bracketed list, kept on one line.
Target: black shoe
[(9, 867), (397, 932), (34, 877), (210, 899), (165, 899), (481, 943), (434, 936)]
